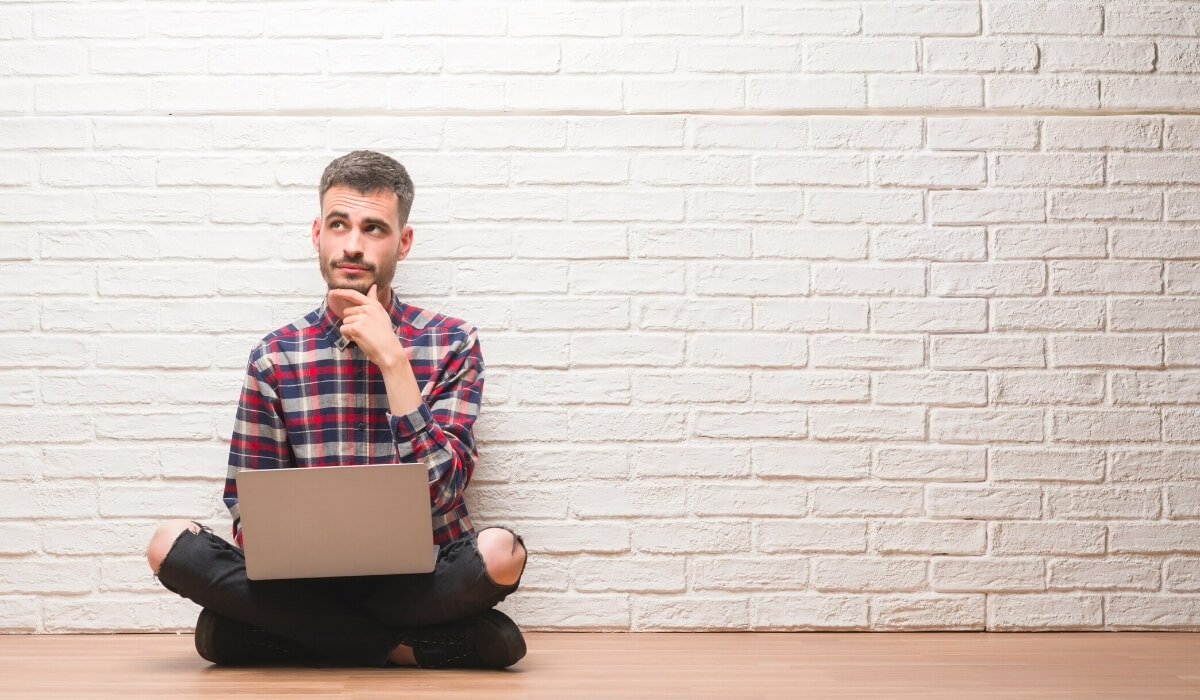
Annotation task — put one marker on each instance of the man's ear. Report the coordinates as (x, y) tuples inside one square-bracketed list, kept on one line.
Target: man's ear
[(406, 241), (316, 233)]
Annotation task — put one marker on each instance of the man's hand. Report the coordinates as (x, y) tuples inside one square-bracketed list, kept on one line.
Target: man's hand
[(367, 323)]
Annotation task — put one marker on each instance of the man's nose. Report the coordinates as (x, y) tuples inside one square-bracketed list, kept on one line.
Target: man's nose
[(352, 243)]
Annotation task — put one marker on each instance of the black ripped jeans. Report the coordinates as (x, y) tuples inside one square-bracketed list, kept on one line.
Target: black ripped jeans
[(354, 620)]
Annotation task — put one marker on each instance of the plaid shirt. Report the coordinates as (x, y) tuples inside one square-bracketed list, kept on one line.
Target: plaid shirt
[(311, 398)]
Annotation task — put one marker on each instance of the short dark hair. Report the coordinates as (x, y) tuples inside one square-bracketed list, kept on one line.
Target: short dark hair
[(368, 171)]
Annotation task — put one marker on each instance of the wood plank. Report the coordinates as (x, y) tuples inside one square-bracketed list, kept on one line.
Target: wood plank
[(718, 665)]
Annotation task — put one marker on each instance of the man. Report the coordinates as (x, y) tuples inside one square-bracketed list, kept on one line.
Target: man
[(364, 378)]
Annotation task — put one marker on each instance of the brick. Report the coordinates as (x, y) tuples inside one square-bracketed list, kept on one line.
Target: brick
[(811, 386), (572, 387), (544, 169), (20, 538), (663, 574), (1025, 170), (924, 92), (1155, 18), (692, 614), (759, 132), (928, 537), (810, 315), (1116, 277), (1105, 350), (1183, 205), (883, 133), (818, 243), (154, 425), (807, 92), (56, 207), (848, 207), (1047, 314), (1182, 350), (950, 352), (1154, 464), (918, 612), (626, 277), (743, 500), (747, 350), (866, 501), (670, 313), (869, 575), (750, 424), (1174, 313), (958, 133), (651, 94), (1059, 465), (1043, 17), (867, 352), (619, 500), (1045, 612), (1102, 133), (1047, 242), (577, 538), (622, 56), (526, 502), (744, 573), (1180, 425), (980, 55), (630, 131), (745, 206), (44, 279), (1042, 92), (790, 20), (741, 58), (987, 207), (983, 502), (926, 18), (818, 169), (1183, 501), (864, 423), (695, 460), (600, 425), (571, 611), (802, 611), (775, 536), (1064, 55), (583, 243), (1102, 425), (40, 426), (931, 464), (68, 22), (691, 387), (1151, 611), (20, 389), (1156, 387), (559, 92), (988, 279), (92, 538), (806, 460), (1183, 574), (905, 243), (931, 388), (689, 242), (901, 279), (48, 575), (1042, 388), (1154, 243), (641, 349), (859, 56), (1183, 278), (42, 59), (20, 614), (1149, 92), (1047, 538), (949, 170), (550, 350), (623, 205), (1109, 573), (693, 537), (955, 574), (1103, 503)]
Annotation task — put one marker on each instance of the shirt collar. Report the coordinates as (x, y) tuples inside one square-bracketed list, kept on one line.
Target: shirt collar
[(331, 325)]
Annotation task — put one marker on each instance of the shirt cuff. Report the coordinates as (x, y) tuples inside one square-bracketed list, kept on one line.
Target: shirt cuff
[(411, 424)]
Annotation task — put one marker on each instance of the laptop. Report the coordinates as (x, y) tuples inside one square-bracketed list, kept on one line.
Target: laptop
[(336, 521)]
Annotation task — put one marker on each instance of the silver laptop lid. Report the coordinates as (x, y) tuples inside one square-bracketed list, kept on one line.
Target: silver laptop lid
[(336, 521)]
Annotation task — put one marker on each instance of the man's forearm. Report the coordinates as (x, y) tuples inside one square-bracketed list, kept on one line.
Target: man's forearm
[(404, 395)]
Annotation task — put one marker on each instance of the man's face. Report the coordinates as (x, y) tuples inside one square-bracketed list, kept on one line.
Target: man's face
[(359, 239)]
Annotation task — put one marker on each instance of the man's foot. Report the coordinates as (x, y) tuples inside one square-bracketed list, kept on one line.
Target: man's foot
[(227, 642), (487, 640)]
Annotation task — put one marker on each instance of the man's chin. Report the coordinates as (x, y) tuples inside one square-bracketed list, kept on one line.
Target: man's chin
[(360, 287)]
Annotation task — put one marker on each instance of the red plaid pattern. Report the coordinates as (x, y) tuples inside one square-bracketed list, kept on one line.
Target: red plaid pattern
[(313, 399)]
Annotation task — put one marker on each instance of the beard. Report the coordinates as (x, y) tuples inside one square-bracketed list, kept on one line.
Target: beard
[(336, 279)]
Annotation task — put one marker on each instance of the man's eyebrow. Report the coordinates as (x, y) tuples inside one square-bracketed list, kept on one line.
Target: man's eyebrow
[(335, 214)]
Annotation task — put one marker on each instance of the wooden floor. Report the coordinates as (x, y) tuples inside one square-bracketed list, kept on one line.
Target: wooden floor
[(798, 665)]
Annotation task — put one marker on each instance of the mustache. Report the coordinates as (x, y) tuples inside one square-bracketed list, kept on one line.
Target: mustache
[(357, 261)]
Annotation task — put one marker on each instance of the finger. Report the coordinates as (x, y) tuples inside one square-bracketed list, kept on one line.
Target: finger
[(372, 291), (349, 295)]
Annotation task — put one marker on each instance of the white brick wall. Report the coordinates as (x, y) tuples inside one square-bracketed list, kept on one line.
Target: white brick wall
[(847, 314)]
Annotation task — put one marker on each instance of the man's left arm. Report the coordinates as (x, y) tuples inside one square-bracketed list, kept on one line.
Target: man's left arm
[(439, 428)]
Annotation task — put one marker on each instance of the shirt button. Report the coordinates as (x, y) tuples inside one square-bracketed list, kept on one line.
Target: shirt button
[(360, 426)]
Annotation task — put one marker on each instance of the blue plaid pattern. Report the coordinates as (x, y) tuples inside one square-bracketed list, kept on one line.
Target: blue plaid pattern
[(313, 399)]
